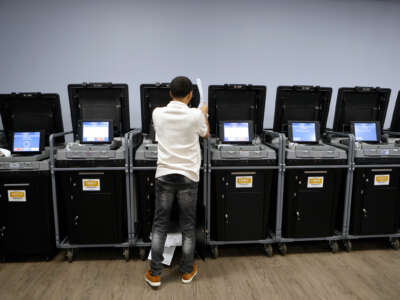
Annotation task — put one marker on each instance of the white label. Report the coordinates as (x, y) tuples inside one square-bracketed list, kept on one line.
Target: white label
[(315, 182), (91, 184), (382, 179), (244, 181), (16, 195)]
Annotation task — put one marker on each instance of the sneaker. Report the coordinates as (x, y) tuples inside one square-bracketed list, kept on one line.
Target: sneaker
[(188, 277), (153, 281)]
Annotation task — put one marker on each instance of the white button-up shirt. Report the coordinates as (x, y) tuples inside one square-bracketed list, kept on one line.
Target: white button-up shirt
[(178, 128)]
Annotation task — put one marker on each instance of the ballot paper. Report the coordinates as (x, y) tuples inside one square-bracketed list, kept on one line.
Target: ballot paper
[(172, 241), (200, 88), (168, 255)]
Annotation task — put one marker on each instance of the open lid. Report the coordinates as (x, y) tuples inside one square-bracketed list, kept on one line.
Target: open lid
[(395, 126), (301, 103), (157, 95), (360, 104), (100, 101), (236, 102), (31, 112)]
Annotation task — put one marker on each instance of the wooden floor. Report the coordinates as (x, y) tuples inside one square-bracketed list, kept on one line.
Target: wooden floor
[(306, 272)]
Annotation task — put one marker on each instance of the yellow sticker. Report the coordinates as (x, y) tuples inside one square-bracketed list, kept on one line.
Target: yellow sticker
[(382, 179), (244, 181), (91, 184), (315, 182), (16, 195)]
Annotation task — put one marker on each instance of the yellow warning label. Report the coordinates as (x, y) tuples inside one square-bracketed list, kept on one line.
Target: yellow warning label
[(382, 179), (91, 184), (315, 182), (16, 195), (244, 181)]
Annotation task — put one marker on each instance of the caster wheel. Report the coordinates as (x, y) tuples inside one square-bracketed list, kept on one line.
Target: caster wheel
[(395, 244), (142, 253), (348, 246), (268, 250), (282, 249), (214, 252), (69, 255), (334, 247), (125, 253)]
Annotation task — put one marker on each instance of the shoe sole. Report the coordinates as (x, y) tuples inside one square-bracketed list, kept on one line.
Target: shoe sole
[(151, 283), (189, 280)]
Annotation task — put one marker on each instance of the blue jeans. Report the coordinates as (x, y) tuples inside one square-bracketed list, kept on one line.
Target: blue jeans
[(184, 190)]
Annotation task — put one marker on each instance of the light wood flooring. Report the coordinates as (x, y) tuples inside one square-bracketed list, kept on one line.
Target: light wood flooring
[(370, 271)]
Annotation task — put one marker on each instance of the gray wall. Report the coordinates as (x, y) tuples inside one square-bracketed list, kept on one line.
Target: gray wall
[(46, 44)]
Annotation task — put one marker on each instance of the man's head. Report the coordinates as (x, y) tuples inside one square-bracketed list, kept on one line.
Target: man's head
[(181, 89)]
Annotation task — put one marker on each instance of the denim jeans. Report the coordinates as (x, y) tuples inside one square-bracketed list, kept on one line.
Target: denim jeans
[(184, 190)]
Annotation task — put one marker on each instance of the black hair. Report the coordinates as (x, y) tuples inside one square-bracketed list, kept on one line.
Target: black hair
[(180, 87)]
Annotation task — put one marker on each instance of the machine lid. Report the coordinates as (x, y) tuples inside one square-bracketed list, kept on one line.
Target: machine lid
[(32, 112), (301, 103), (157, 95), (100, 101), (360, 104), (395, 125), (236, 102)]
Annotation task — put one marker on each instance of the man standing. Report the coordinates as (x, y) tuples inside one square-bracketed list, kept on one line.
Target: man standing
[(178, 128)]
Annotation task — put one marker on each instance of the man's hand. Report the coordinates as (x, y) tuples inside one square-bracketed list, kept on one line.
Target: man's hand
[(204, 108)]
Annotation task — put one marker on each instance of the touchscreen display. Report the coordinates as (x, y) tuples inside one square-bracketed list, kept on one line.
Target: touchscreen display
[(26, 141), (236, 132), (95, 132), (365, 132), (304, 132)]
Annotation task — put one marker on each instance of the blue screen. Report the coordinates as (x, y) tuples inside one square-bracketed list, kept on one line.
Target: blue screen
[(95, 132), (26, 142), (236, 132), (365, 132), (304, 132)]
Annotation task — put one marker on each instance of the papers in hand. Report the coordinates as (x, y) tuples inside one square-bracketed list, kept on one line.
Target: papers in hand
[(200, 87)]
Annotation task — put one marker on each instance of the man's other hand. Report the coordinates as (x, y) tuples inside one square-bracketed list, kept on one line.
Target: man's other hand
[(204, 108)]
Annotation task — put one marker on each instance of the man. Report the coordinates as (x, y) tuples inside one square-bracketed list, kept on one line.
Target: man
[(178, 128)]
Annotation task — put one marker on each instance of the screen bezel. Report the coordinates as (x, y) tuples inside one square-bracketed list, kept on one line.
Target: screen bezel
[(377, 127), (317, 132), (41, 142), (110, 131), (251, 131)]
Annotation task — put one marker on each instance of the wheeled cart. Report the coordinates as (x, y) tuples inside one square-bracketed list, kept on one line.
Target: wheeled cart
[(315, 174), (243, 169), (374, 209), (143, 153), (90, 180), (26, 210)]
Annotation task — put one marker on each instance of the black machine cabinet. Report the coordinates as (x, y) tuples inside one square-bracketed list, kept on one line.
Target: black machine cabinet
[(376, 191), (26, 215), (375, 201), (93, 201), (241, 213), (313, 198), (26, 210), (311, 201), (240, 199), (95, 206)]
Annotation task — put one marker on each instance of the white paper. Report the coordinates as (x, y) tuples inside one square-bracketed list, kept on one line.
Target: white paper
[(200, 87), (173, 239), (168, 255)]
